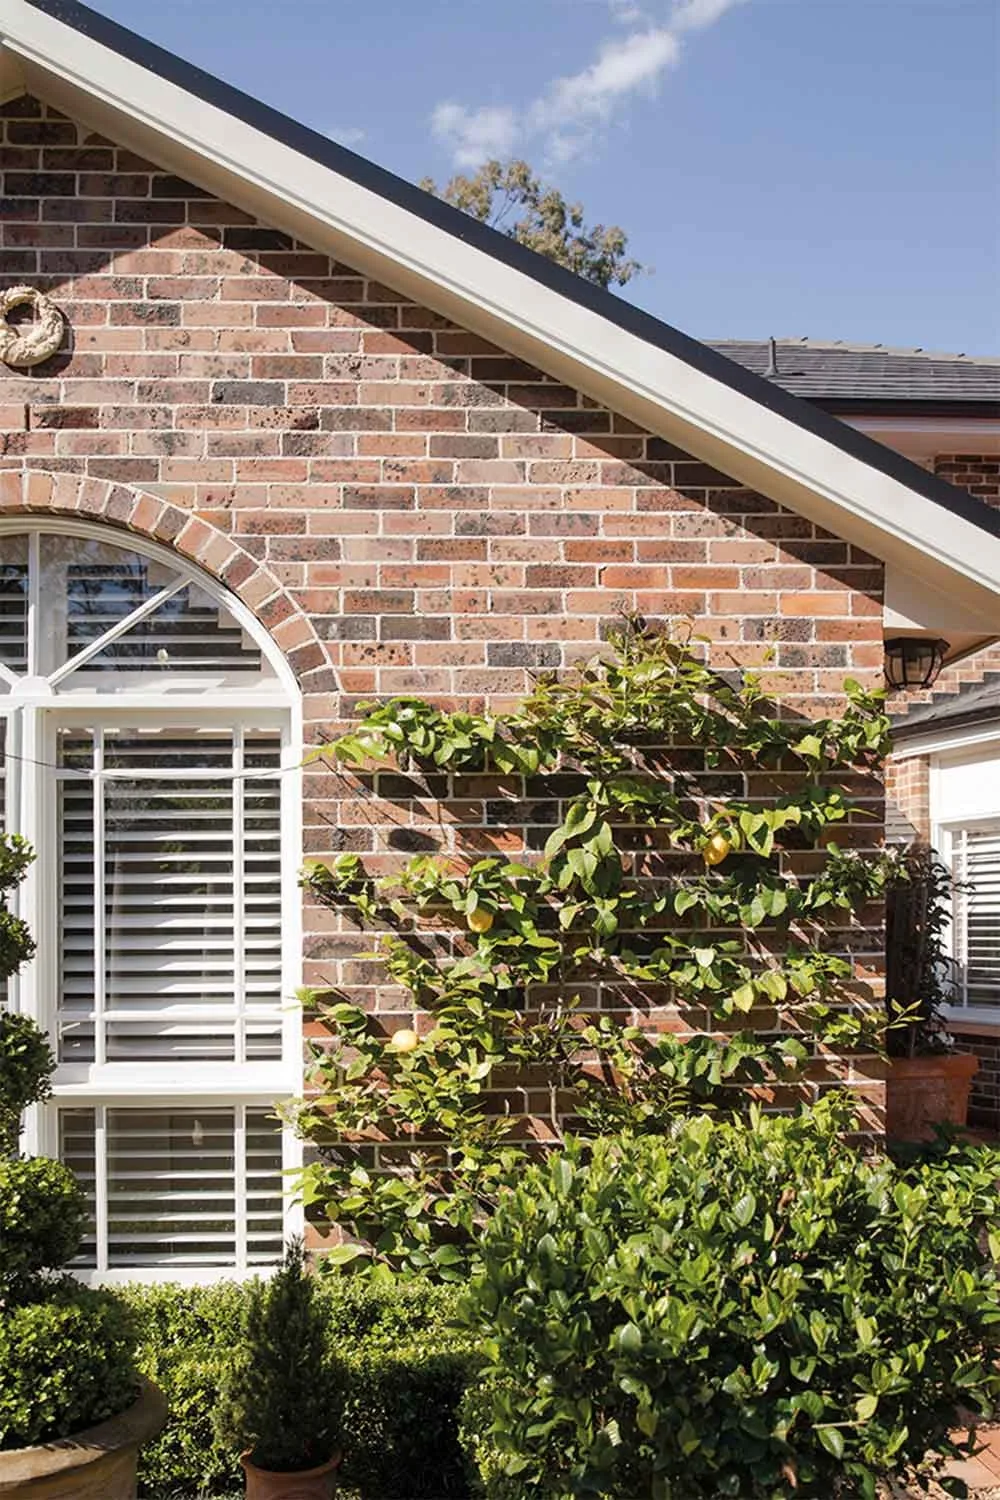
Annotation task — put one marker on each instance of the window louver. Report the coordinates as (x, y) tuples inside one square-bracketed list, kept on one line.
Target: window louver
[(977, 914), (182, 832), (14, 616), (169, 1188)]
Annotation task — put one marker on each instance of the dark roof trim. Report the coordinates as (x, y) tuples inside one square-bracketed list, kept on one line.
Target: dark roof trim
[(973, 703), (406, 195), (965, 719)]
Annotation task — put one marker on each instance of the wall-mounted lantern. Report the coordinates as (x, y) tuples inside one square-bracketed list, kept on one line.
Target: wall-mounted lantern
[(913, 661)]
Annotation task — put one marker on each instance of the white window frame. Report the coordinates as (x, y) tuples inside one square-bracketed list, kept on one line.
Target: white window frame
[(34, 716), (943, 837)]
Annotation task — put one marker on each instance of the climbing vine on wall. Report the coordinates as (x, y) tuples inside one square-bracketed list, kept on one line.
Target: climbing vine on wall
[(677, 944)]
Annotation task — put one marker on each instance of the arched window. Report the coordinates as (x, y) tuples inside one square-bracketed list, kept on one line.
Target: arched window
[(150, 745)]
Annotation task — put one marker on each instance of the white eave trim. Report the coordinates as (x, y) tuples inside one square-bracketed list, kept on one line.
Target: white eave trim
[(943, 741), (759, 447)]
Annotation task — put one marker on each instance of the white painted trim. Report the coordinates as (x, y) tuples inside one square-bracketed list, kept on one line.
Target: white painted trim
[(978, 1019), (327, 209), (947, 740), (926, 437)]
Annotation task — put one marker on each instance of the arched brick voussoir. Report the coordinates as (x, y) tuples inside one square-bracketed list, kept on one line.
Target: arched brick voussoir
[(40, 492)]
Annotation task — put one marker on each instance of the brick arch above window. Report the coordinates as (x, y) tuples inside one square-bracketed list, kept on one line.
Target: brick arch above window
[(130, 509)]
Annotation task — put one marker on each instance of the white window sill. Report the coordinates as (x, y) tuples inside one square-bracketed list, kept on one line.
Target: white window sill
[(973, 1020), (149, 1081)]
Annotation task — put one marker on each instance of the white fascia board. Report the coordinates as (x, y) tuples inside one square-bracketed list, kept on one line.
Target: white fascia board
[(661, 391), (944, 741), (924, 438)]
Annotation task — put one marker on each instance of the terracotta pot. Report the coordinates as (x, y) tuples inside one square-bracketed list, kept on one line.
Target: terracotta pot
[(96, 1464), (307, 1484), (922, 1092)]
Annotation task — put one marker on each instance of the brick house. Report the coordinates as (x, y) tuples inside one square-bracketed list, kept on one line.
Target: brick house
[(310, 435)]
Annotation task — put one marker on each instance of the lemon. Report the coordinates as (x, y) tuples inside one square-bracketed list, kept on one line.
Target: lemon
[(480, 920), (403, 1041), (716, 849)]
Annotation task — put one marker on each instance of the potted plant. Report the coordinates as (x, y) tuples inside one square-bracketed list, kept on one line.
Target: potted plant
[(281, 1397), (929, 1081), (73, 1413)]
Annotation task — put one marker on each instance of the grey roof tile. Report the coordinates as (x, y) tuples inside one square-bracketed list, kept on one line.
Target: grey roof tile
[(973, 702)]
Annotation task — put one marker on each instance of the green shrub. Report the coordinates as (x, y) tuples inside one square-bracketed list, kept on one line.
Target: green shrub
[(406, 1365), (27, 1062), (66, 1354), (65, 1363), (747, 1308), (42, 1211)]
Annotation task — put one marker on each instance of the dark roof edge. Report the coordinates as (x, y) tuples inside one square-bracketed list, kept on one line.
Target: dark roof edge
[(906, 729), (625, 315)]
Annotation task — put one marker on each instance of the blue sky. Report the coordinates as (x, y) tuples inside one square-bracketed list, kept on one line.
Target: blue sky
[(827, 168)]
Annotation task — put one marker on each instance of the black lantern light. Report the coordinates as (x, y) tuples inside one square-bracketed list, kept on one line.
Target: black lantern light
[(913, 661)]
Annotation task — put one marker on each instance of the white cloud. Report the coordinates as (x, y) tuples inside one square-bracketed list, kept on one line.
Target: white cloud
[(626, 12), (473, 135), (621, 67), (569, 112), (349, 136), (694, 15)]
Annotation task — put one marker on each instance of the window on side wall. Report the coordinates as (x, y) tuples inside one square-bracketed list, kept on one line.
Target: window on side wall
[(974, 851), (148, 757)]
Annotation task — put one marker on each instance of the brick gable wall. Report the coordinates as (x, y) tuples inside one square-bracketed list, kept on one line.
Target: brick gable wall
[(407, 508)]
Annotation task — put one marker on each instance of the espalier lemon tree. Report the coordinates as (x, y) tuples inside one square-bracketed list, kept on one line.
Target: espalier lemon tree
[(693, 862)]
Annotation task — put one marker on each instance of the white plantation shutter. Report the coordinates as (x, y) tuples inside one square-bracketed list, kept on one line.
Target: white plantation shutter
[(976, 939), (182, 1187), (158, 895), (182, 959), (14, 616)]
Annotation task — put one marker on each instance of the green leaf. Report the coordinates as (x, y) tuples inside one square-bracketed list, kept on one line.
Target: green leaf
[(865, 1408), (342, 1255), (646, 1420), (832, 1439), (628, 1340), (743, 1209), (809, 746)]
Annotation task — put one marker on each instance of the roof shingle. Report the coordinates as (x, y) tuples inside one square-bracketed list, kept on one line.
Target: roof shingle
[(866, 373)]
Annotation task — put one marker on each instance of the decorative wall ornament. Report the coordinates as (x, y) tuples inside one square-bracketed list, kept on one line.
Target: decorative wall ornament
[(29, 343)]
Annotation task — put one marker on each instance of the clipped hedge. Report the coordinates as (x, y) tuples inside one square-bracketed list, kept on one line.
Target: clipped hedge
[(407, 1366), (42, 1213), (65, 1364)]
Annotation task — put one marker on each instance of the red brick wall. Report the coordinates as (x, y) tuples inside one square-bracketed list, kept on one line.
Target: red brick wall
[(979, 473), (984, 1101), (407, 508), (907, 804)]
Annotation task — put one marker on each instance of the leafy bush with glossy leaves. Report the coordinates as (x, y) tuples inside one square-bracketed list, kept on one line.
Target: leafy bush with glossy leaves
[(65, 1364), (745, 1308), (42, 1213)]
